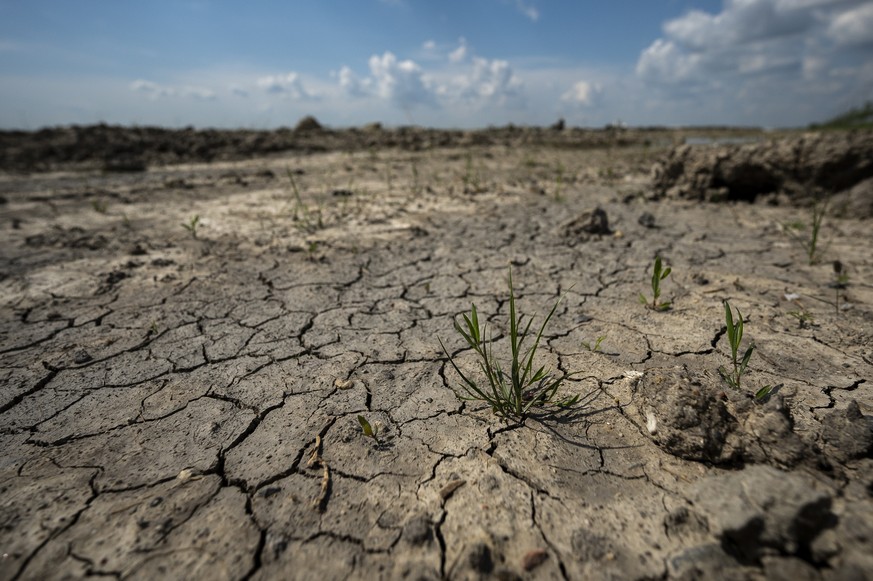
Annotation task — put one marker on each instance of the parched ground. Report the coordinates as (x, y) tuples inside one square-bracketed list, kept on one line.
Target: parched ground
[(176, 406)]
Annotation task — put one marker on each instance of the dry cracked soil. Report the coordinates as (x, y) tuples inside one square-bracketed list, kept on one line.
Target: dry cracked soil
[(182, 402)]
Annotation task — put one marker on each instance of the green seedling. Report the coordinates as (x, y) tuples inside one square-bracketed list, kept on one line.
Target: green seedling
[(368, 430), (804, 318), (559, 182), (191, 226), (306, 219), (658, 274), (388, 176), (416, 185), (596, 346), (510, 395), (810, 244), (100, 206), (471, 178), (735, 337)]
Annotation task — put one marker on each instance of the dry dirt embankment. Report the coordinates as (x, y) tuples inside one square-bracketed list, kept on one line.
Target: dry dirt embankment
[(182, 402)]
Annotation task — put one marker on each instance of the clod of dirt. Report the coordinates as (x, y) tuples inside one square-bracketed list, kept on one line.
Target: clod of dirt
[(418, 530), (762, 510), (830, 162), (480, 559), (692, 416), (647, 220), (590, 222), (687, 416), (847, 434)]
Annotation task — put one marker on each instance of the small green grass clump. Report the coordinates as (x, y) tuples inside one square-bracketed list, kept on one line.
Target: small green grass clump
[(810, 243), (735, 337), (191, 225), (658, 274), (510, 395), (596, 345), (369, 431)]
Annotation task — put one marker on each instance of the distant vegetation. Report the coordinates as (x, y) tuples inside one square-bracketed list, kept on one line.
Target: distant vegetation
[(854, 118)]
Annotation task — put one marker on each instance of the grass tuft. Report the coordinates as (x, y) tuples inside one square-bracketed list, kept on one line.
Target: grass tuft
[(514, 394), (658, 274), (735, 337)]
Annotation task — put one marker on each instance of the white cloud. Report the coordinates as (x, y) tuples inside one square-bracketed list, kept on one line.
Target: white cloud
[(582, 93), (754, 56), (529, 10), (853, 27), (751, 37), (459, 53), (239, 90), (351, 84), (153, 90), (492, 81), (429, 45), (401, 82), (288, 85), (199, 93), (157, 91)]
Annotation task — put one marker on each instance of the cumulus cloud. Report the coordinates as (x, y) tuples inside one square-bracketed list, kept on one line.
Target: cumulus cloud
[(853, 27), (753, 56), (288, 85), (492, 81), (351, 85), (402, 82), (582, 93), (750, 37)]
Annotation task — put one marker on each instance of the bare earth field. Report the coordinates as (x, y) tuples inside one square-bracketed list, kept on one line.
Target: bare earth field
[(182, 402)]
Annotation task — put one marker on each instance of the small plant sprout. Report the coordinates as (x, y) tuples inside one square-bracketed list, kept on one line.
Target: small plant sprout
[(191, 225), (510, 395), (368, 430), (100, 206), (804, 317), (841, 281), (307, 220), (735, 337), (596, 346), (658, 274), (810, 243), (559, 182)]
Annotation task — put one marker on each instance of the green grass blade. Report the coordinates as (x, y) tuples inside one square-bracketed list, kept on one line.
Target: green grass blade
[(365, 425)]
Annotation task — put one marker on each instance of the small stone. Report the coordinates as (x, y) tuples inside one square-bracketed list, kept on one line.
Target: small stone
[(81, 357), (533, 559), (450, 488), (647, 220), (341, 383)]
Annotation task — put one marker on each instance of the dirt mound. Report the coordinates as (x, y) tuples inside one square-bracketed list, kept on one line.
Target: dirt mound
[(798, 166), (134, 149)]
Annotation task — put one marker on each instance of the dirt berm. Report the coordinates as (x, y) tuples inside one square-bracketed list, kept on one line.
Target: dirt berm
[(808, 166)]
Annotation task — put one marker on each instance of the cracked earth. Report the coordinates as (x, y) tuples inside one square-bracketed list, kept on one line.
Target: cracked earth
[(185, 406)]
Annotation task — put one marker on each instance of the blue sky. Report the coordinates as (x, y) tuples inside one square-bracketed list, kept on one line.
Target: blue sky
[(443, 63)]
